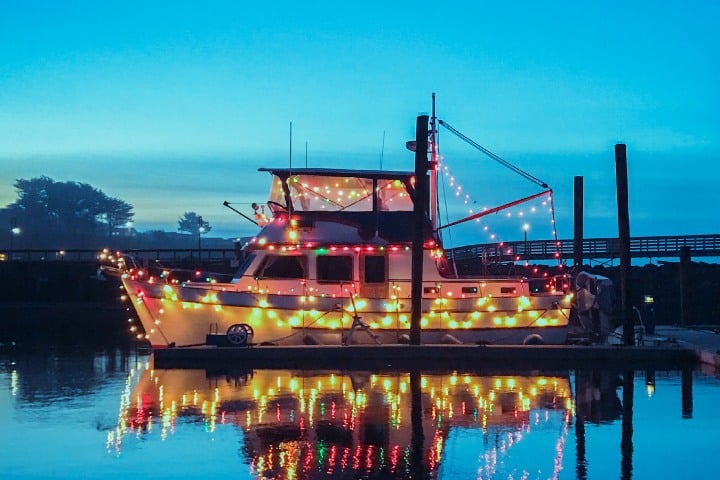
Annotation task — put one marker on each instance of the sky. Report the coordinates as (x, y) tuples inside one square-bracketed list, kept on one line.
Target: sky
[(173, 106)]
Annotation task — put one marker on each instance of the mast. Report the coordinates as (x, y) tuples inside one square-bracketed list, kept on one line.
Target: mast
[(433, 169), (286, 185), (290, 145)]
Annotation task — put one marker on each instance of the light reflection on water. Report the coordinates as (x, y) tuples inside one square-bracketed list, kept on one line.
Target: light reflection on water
[(111, 415)]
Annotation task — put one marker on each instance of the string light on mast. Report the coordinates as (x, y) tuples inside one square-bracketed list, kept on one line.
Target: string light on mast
[(546, 204), (493, 234)]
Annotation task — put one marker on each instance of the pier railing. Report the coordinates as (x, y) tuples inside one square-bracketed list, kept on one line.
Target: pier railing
[(593, 248), (160, 254)]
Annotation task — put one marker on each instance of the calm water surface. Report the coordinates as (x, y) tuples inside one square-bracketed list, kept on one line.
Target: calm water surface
[(111, 415)]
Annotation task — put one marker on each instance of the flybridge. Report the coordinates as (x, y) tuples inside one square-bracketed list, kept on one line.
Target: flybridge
[(339, 172), (339, 190)]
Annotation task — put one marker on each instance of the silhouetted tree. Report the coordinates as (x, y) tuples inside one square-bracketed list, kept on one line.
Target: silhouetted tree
[(53, 213), (116, 213), (191, 222)]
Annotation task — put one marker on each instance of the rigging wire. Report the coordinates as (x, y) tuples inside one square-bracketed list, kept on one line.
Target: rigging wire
[(447, 210), (447, 219), (554, 225), (511, 167), (495, 157), (441, 175)]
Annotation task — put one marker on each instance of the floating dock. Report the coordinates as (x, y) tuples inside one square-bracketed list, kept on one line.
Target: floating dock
[(490, 358), (705, 343), (669, 348)]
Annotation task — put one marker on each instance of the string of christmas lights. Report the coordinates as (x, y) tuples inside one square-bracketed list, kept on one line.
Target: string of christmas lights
[(544, 204)]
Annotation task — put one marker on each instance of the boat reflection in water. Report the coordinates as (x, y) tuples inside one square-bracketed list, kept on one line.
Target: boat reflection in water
[(313, 424)]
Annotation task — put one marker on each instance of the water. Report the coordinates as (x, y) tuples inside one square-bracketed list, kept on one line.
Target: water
[(111, 415)]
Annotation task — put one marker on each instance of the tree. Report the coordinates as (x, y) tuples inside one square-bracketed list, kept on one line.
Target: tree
[(192, 223), (65, 213), (116, 213)]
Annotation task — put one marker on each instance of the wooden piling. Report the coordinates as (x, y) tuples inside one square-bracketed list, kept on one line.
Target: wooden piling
[(578, 237), (621, 178), (420, 211), (683, 273)]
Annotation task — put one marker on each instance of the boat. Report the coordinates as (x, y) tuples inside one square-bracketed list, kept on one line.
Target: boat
[(332, 265), (350, 424)]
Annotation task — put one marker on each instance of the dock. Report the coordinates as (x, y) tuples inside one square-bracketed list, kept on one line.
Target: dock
[(704, 342), (488, 358), (669, 348)]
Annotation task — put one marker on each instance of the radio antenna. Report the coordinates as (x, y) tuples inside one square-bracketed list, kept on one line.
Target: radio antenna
[(382, 150)]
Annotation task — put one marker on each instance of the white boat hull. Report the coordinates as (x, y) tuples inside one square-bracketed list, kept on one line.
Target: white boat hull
[(335, 265), (185, 315)]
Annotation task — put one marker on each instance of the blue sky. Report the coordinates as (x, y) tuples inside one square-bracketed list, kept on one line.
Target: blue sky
[(172, 106)]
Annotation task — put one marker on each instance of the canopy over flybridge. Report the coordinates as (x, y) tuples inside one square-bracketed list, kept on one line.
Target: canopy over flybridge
[(339, 172), (376, 203), (341, 190)]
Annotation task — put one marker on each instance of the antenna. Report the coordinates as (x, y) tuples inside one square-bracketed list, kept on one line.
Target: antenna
[(290, 145), (305, 153), (382, 150)]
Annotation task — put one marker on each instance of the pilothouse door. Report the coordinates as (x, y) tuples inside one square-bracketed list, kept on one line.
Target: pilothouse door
[(373, 276)]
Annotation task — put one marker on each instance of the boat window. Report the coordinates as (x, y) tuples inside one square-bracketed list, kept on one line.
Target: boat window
[(375, 269), (277, 194), (393, 196), (323, 193), (334, 269), (283, 266)]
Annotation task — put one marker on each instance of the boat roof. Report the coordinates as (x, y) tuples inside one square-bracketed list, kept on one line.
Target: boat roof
[(339, 172)]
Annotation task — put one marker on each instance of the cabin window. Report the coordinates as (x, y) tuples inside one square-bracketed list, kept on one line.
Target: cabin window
[(506, 290), (283, 266), (334, 269), (375, 269)]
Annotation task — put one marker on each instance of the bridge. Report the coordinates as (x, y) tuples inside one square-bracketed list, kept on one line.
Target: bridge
[(607, 249), (601, 249)]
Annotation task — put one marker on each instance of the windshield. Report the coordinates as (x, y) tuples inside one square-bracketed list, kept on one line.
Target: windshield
[(333, 194)]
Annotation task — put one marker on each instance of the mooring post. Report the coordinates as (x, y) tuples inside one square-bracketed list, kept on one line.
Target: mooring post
[(684, 284), (420, 214), (578, 238), (621, 179)]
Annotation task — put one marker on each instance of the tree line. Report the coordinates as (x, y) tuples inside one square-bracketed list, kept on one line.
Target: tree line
[(57, 214)]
